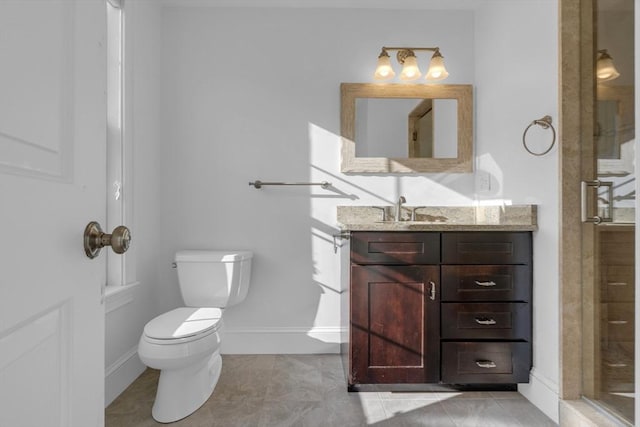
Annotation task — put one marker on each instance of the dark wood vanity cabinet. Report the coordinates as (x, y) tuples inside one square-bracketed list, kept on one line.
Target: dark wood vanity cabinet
[(440, 307)]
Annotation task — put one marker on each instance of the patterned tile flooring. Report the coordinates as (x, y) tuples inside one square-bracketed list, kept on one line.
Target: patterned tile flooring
[(310, 390)]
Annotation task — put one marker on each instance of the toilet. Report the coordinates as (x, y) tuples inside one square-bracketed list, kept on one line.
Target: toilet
[(184, 343)]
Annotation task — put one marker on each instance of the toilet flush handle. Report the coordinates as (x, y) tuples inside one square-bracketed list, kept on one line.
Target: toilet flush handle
[(95, 239)]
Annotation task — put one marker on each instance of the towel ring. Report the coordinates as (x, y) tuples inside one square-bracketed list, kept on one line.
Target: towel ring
[(545, 123)]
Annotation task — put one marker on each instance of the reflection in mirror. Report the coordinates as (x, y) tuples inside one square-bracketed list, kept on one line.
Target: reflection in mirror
[(615, 125), (404, 128)]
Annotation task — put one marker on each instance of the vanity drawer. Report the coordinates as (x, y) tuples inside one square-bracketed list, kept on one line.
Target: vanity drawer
[(486, 248), (617, 366), (486, 283), (395, 248), (498, 321), (618, 283), (619, 320), (485, 362)]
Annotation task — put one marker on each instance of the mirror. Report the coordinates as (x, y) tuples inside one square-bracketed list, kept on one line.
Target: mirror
[(402, 128), (615, 129)]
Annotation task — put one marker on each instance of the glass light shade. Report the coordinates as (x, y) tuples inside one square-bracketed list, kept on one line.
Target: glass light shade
[(437, 71), (605, 70), (384, 71), (410, 70)]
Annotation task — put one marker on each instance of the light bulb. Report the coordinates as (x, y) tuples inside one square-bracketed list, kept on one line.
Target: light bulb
[(410, 70), (437, 71), (605, 69), (384, 71)]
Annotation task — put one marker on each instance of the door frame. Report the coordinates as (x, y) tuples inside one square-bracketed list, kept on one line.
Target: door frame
[(576, 40)]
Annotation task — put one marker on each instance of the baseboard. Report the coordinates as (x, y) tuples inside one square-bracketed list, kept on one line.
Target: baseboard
[(315, 340), (543, 393), (121, 374)]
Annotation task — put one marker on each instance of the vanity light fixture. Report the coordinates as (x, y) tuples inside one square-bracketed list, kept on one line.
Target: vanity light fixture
[(605, 70), (410, 71)]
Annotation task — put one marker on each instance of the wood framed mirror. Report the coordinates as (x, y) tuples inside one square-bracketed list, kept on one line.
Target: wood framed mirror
[(406, 128)]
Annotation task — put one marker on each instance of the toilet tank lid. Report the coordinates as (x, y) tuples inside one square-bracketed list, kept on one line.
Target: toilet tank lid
[(212, 256)]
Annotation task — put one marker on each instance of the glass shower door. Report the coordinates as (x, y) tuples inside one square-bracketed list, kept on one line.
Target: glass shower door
[(614, 272)]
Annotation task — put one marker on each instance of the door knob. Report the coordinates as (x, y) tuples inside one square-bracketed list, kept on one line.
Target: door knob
[(95, 239)]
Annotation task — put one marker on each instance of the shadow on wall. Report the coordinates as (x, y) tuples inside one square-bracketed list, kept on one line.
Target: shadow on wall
[(287, 339)]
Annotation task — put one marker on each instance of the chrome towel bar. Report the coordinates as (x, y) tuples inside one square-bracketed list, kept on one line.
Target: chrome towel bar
[(259, 184)]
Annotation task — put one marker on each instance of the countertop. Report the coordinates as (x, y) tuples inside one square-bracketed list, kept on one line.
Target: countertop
[(440, 218)]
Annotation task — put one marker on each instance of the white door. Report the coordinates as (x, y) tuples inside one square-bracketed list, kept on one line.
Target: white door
[(52, 183)]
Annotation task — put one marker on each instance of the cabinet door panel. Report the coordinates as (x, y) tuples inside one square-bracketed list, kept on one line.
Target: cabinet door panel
[(394, 324)]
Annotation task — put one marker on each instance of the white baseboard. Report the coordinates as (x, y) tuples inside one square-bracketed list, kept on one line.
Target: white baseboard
[(315, 340), (121, 374), (543, 393)]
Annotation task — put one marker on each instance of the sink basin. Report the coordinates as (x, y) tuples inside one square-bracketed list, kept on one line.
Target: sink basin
[(430, 220)]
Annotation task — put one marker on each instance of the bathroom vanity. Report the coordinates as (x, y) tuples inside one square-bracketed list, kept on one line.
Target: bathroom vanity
[(443, 299)]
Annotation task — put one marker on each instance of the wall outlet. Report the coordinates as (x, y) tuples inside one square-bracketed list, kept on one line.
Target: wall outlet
[(483, 181)]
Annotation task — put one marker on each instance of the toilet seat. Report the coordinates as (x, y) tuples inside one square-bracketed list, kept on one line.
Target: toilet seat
[(183, 325)]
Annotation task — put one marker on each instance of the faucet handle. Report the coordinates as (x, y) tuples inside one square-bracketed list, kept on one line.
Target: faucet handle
[(413, 211), (384, 211)]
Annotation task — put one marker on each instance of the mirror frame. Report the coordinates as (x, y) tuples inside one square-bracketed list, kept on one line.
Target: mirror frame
[(349, 92)]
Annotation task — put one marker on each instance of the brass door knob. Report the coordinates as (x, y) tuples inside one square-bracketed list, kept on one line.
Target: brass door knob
[(95, 239)]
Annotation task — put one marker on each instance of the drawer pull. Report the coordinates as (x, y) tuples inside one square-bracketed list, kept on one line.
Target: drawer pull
[(486, 284), (618, 322), (432, 291), (616, 365), (485, 364), (485, 321), (617, 284)]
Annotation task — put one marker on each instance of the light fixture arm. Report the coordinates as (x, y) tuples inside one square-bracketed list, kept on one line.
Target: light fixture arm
[(433, 49), (404, 52)]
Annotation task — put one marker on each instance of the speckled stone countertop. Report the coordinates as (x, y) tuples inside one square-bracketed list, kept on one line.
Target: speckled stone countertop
[(440, 218)]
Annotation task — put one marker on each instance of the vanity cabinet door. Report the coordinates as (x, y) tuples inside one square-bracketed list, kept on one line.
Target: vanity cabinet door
[(395, 314)]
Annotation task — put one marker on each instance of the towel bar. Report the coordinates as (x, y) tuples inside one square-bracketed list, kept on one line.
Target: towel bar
[(259, 184)]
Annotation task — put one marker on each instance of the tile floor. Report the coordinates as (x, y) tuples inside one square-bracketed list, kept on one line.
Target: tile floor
[(310, 390)]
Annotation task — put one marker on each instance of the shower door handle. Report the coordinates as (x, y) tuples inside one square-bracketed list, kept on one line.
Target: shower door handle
[(596, 184)]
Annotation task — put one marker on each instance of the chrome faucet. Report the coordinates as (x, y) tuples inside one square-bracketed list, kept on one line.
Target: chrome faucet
[(401, 200), (413, 212)]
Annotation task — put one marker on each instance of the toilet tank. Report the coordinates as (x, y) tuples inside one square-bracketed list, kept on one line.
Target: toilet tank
[(213, 278)]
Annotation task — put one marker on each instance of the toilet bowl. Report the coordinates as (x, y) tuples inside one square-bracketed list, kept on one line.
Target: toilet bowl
[(184, 343)]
